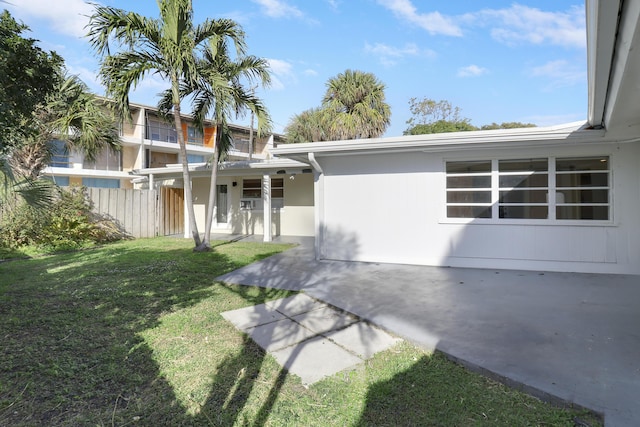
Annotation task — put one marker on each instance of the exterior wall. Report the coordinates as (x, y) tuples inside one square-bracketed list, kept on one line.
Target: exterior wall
[(158, 159), (130, 158), (392, 208), (200, 192), (296, 218), (126, 184), (131, 128)]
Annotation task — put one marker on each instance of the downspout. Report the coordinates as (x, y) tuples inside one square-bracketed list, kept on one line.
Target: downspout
[(318, 197), (314, 163), (266, 208)]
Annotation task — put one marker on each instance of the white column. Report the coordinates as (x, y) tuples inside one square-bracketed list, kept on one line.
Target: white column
[(318, 195), (141, 126), (187, 229), (266, 201), (318, 205)]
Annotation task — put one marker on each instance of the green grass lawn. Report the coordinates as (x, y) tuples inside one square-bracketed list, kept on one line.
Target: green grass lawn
[(131, 334)]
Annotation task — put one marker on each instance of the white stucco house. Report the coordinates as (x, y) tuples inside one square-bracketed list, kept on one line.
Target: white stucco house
[(564, 198), (250, 194)]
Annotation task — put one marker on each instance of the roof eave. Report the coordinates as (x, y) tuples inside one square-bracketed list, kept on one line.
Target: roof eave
[(228, 168), (574, 132), (602, 26)]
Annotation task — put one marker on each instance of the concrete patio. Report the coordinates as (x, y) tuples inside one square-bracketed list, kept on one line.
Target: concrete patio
[(564, 337)]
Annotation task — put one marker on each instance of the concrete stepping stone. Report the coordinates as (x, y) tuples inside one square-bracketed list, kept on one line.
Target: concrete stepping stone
[(363, 339), (250, 317), (325, 319), (315, 359), (308, 337), (294, 305), (276, 335)]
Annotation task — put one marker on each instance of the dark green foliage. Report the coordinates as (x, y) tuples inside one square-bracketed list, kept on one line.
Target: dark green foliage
[(507, 125), (27, 76), (441, 126), (69, 223), (429, 116), (353, 107)]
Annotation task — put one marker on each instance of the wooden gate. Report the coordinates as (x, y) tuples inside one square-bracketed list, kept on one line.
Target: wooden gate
[(171, 220)]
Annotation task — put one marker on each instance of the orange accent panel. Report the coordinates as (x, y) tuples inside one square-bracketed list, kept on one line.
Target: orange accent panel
[(184, 133), (209, 136)]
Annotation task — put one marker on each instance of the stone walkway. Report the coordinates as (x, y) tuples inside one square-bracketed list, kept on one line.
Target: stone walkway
[(310, 338)]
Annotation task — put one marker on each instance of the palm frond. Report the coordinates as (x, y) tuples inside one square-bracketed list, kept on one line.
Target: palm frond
[(81, 120)]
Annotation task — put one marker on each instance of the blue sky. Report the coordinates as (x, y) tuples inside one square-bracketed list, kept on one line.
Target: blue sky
[(498, 61)]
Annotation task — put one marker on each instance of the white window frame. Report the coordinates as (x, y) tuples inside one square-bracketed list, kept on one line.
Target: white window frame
[(552, 189), (256, 202)]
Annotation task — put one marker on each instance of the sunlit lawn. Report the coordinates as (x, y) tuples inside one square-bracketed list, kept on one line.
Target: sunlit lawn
[(131, 334)]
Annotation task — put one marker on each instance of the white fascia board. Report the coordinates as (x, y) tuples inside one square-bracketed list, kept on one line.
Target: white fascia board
[(229, 168), (621, 108), (602, 26), (95, 173), (569, 133)]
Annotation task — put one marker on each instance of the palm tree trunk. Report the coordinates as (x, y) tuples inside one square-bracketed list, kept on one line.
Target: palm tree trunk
[(213, 186), (186, 176)]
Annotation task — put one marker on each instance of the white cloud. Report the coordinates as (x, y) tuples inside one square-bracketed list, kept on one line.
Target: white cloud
[(87, 76), (432, 22), (522, 24), (67, 17), (281, 70), (471, 71), (310, 72), (515, 25), (561, 73), (334, 4), (388, 54), (279, 9)]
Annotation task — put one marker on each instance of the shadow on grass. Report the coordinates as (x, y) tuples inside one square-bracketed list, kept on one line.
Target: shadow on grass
[(89, 338), (432, 390), (72, 349)]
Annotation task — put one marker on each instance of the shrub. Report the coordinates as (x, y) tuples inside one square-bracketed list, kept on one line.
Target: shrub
[(67, 224)]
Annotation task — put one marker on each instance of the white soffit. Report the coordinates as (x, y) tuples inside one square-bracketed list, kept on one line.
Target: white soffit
[(228, 168), (553, 135), (622, 108), (602, 27)]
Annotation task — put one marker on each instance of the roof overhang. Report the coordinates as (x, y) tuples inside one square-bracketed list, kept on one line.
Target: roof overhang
[(613, 39), (237, 168), (571, 133)]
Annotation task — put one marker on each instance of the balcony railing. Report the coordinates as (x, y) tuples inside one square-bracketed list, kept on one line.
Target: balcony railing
[(161, 132), (243, 146)]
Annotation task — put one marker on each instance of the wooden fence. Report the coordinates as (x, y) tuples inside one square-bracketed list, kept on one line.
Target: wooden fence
[(141, 213), (135, 212)]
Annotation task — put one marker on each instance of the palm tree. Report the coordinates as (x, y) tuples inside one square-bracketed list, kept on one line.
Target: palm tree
[(35, 192), (221, 92), (355, 105), (168, 47), (72, 115), (308, 126)]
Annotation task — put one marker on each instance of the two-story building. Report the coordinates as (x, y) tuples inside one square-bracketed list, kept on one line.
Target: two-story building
[(148, 141), (252, 188)]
